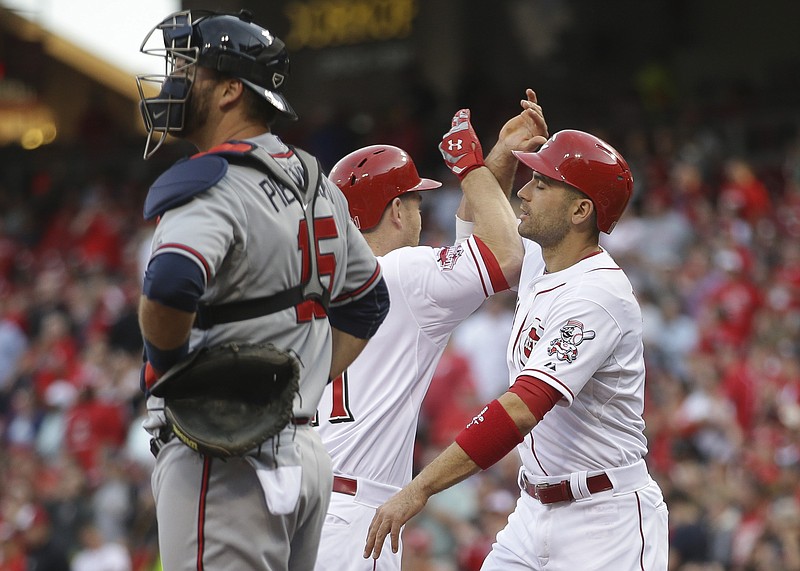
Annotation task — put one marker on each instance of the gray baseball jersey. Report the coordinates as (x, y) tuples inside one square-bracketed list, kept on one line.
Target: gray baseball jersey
[(247, 235)]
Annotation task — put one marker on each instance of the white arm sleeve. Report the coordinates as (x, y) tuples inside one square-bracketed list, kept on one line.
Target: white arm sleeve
[(463, 230)]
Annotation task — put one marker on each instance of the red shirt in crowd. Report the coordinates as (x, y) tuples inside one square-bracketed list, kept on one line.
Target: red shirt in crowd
[(93, 427)]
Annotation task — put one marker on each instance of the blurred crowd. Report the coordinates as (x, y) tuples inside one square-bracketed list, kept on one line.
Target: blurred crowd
[(711, 243)]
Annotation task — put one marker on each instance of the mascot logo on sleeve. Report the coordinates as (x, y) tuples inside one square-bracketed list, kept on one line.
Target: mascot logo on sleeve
[(447, 257), (565, 348)]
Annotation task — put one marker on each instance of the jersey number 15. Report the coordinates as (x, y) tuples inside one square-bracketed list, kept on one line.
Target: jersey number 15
[(324, 229)]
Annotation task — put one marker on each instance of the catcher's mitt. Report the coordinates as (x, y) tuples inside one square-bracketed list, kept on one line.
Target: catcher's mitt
[(226, 400)]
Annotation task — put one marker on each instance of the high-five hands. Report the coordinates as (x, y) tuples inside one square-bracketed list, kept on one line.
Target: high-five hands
[(527, 130), (460, 146)]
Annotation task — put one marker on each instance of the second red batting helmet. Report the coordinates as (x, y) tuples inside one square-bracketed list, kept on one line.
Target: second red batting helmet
[(589, 164), (372, 177)]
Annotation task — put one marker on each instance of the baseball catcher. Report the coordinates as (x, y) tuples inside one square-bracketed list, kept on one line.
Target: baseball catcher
[(258, 290)]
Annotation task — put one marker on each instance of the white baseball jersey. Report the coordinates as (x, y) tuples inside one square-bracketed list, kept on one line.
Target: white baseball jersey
[(368, 417), (580, 331), (247, 235)]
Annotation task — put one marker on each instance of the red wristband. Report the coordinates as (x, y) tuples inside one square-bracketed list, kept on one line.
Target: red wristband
[(490, 436)]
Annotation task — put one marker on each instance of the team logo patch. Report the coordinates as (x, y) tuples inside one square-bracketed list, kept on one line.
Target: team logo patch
[(565, 348), (447, 257), (529, 340)]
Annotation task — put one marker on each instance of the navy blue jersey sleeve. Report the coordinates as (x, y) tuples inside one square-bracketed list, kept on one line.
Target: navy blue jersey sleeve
[(362, 317), (175, 281)]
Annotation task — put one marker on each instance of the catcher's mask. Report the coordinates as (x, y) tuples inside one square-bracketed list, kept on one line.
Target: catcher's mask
[(230, 44)]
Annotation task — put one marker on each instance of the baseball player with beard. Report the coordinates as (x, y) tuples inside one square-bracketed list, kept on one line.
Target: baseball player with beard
[(576, 398), (368, 416), (252, 246)]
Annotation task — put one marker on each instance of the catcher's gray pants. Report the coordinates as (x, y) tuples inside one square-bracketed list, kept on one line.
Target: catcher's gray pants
[(263, 512)]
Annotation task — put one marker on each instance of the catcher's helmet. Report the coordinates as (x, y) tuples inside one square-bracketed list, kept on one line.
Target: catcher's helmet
[(372, 177), (230, 44), (589, 164)]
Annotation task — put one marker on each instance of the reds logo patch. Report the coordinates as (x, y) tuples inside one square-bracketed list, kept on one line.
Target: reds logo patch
[(529, 340), (447, 257), (565, 348)]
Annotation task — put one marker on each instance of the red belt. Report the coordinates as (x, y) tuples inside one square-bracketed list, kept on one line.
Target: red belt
[(300, 420), (561, 492), (345, 485)]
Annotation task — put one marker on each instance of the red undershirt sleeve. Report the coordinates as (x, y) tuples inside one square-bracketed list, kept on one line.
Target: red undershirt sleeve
[(537, 395)]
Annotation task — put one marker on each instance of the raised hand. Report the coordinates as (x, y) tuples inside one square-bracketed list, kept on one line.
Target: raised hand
[(527, 130), (460, 146)]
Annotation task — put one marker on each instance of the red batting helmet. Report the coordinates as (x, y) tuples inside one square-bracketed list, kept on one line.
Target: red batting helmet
[(589, 164), (372, 177)]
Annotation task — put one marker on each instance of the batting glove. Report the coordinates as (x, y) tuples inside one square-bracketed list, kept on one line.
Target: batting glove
[(460, 146)]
